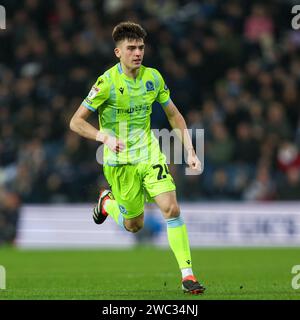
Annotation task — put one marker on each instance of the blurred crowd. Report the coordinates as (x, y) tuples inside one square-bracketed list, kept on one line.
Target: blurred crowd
[(233, 68)]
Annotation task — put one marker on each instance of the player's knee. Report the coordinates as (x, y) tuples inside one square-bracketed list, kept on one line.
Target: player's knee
[(135, 228), (172, 211)]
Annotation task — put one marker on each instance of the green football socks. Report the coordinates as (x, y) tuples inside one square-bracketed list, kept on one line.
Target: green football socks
[(176, 230), (179, 242)]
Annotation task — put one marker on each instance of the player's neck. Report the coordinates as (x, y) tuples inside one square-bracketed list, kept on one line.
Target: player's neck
[(131, 73)]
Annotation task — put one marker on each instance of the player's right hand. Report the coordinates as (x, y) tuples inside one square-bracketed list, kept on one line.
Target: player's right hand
[(116, 145)]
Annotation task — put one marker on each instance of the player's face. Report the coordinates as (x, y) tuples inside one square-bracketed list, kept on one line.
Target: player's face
[(131, 53)]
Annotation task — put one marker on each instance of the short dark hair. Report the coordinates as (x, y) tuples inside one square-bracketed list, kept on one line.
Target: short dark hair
[(128, 30)]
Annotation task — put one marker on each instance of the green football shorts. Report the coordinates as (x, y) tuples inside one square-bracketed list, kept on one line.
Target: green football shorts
[(133, 184)]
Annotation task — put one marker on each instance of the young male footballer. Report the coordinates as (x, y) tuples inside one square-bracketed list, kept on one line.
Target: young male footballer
[(134, 166)]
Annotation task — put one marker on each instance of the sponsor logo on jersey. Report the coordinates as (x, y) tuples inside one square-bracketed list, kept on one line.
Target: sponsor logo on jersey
[(133, 109)]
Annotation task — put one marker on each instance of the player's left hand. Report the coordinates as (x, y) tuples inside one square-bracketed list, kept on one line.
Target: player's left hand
[(193, 161)]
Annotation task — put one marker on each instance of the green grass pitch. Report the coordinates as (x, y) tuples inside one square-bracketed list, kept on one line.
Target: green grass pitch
[(147, 273)]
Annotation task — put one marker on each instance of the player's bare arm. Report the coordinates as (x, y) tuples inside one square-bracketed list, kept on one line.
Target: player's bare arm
[(177, 121), (80, 125)]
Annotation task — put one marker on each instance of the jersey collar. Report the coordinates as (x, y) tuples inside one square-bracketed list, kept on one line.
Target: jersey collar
[(119, 66)]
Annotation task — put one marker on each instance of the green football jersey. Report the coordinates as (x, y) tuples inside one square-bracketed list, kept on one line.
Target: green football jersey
[(124, 107)]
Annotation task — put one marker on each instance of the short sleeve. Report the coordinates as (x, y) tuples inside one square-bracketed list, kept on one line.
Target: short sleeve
[(98, 94), (163, 94)]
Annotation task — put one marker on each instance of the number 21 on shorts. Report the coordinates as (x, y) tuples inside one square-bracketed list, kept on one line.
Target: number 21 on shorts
[(162, 171)]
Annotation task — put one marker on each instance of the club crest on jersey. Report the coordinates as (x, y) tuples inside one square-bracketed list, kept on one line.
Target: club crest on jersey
[(122, 209), (149, 86), (92, 94)]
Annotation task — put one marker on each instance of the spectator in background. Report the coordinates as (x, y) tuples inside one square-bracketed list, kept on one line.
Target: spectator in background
[(289, 188), (262, 187), (246, 147), (234, 113), (259, 25), (209, 115), (288, 157), (234, 66), (277, 122), (257, 121), (220, 149), (220, 187)]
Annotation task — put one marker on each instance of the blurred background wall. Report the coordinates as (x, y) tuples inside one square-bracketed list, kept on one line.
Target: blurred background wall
[(233, 68)]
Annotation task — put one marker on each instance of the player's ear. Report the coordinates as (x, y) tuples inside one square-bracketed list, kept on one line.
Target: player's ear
[(117, 52)]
